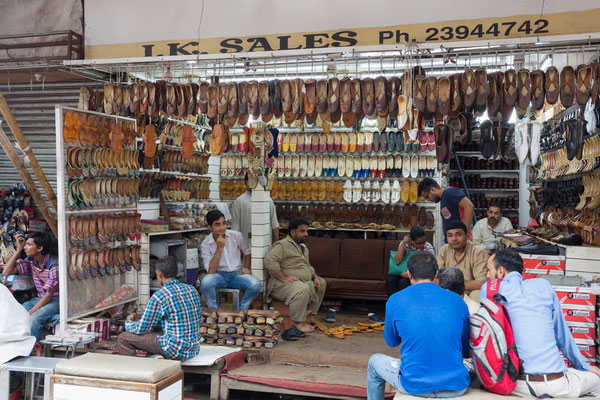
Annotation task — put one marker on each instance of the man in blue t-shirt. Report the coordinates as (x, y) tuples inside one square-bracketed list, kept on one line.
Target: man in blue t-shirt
[(432, 324), (451, 201)]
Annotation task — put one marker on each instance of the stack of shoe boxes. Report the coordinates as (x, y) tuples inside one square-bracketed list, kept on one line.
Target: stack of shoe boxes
[(535, 265), (579, 308)]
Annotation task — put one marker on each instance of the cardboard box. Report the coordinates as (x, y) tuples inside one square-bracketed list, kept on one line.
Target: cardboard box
[(582, 330), (572, 295), (542, 262), (575, 313)]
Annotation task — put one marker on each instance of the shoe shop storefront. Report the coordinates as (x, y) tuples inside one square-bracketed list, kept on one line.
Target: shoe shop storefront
[(335, 122)]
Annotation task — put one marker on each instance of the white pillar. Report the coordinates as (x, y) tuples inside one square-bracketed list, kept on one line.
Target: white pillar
[(261, 231)]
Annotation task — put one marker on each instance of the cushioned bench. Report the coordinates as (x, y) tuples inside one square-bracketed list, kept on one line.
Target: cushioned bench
[(353, 268), (115, 377)]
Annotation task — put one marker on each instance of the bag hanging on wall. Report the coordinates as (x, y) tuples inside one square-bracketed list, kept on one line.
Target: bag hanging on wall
[(398, 269)]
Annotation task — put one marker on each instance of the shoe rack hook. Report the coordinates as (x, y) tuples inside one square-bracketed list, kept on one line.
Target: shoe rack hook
[(431, 61), (296, 66), (356, 72), (567, 56), (381, 64), (368, 66), (497, 65)]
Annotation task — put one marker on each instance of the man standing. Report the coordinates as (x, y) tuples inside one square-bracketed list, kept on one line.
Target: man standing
[(293, 280), (489, 230), (540, 332), (241, 215), (222, 256), (465, 255), (43, 267), (432, 324), (452, 201), (176, 307)]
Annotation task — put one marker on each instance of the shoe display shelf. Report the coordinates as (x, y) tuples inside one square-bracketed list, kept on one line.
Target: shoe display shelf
[(167, 172), (98, 177)]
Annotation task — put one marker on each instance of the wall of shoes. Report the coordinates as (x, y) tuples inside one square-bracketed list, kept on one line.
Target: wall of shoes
[(565, 192), (99, 224)]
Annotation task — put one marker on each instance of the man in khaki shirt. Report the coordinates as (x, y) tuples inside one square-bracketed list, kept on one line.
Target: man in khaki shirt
[(293, 280), (465, 255)]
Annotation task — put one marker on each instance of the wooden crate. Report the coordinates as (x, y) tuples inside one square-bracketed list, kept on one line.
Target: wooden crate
[(66, 387)]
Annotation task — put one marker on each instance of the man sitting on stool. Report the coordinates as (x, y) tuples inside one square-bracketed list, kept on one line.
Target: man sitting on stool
[(487, 231), (293, 280), (176, 306), (221, 253)]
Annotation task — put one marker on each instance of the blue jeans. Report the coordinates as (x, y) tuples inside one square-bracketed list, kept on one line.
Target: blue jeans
[(384, 369), (230, 280), (39, 318)]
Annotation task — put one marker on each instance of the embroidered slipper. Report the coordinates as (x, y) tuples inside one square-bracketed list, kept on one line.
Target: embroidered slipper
[(551, 85), (356, 94)]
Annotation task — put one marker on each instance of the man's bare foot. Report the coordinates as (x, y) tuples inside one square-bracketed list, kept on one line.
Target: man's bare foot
[(306, 328)]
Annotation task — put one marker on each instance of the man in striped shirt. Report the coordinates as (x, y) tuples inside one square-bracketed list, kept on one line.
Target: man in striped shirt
[(176, 306), (43, 267)]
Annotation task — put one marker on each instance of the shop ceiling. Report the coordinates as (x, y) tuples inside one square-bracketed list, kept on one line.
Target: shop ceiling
[(353, 62)]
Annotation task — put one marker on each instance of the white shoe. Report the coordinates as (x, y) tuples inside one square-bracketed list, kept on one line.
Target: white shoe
[(318, 166), (521, 142), (303, 165), (356, 192), (341, 166), (348, 191), (534, 147), (310, 170), (288, 166), (366, 191), (295, 166), (395, 191), (375, 192), (414, 167), (406, 166), (386, 192)]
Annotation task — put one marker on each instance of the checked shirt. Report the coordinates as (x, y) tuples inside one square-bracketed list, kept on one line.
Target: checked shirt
[(177, 307)]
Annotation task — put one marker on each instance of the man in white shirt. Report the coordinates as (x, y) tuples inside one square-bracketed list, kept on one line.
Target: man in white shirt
[(488, 230), (241, 215), (222, 257)]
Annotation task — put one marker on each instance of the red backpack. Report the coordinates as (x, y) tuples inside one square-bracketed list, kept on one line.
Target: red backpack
[(493, 346)]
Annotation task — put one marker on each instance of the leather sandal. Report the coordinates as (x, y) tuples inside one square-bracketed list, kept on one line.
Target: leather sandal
[(583, 88), (537, 89), (432, 92), (368, 96), (481, 85), (420, 92), (468, 87), (567, 86)]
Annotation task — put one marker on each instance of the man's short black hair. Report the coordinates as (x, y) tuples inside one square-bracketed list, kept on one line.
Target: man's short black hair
[(509, 259), (213, 216), (43, 240), (168, 267), (422, 265), (417, 232), (296, 222), (495, 205), (426, 184), (456, 225), (452, 279)]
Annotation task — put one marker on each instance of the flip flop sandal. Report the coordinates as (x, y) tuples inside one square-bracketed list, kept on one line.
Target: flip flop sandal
[(368, 96), (583, 88)]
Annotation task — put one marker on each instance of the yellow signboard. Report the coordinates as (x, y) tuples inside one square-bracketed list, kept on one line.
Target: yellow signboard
[(487, 29)]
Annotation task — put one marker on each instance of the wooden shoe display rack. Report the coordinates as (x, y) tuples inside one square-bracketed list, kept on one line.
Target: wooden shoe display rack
[(489, 182), (98, 220), (346, 179), (565, 188), (166, 171)]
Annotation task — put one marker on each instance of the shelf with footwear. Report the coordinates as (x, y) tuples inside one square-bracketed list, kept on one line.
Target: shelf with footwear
[(99, 180), (493, 171), (494, 190)]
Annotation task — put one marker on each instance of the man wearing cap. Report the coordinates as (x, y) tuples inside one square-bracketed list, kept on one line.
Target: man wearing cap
[(465, 255)]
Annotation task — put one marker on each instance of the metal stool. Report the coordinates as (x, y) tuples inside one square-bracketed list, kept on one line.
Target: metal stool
[(235, 297), (31, 366)]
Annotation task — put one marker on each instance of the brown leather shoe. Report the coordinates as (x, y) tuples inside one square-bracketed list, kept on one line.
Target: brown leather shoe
[(242, 95), (355, 92), (551, 85), (368, 96), (420, 92), (406, 214), (468, 87), (253, 102), (443, 95), (481, 83), (264, 102), (345, 95), (321, 96), (414, 215), (510, 88), (333, 96), (422, 216), (537, 89), (567, 86), (310, 98), (583, 87), (431, 99), (202, 97), (493, 99), (523, 88), (455, 96), (393, 90), (232, 100), (286, 95), (381, 101)]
